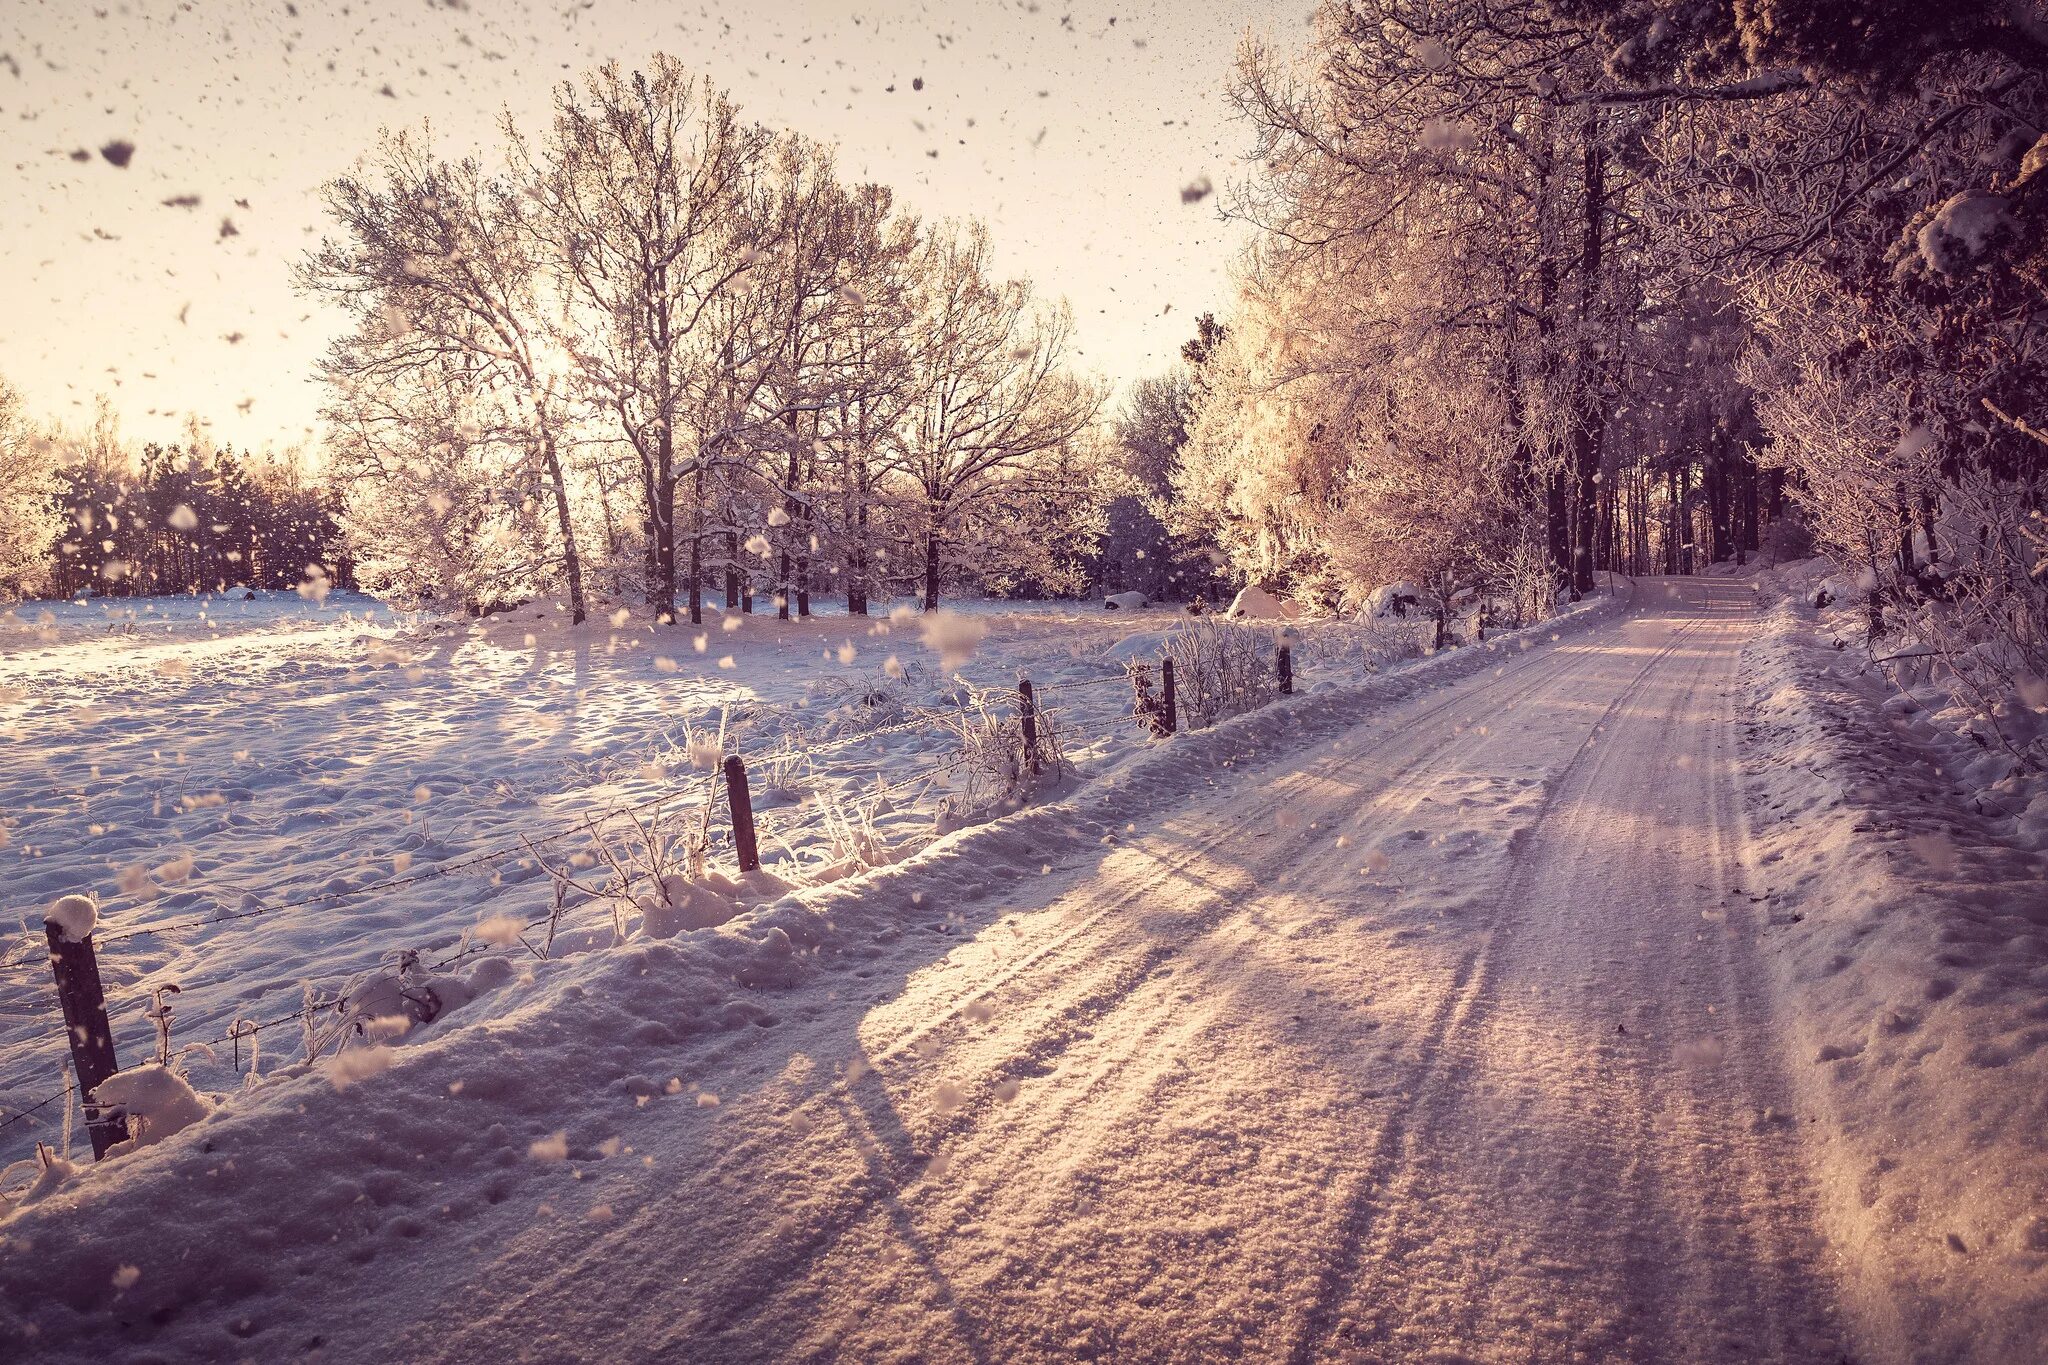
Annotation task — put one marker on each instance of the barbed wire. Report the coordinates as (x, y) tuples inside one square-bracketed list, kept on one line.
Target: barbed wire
[(1050, 688), (463, 864), (921, 779), (19, 1115)]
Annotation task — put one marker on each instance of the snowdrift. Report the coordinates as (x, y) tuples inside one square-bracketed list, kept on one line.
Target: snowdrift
[(1911, 933)]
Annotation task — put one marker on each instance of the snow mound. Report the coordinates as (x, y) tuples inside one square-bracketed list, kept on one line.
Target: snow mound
[(155, 1101), (1141, 644), (75, 917), (1261, 605), (1965, 231)]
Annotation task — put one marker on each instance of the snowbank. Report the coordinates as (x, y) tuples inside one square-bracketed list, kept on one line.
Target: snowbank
[(1911, 950)]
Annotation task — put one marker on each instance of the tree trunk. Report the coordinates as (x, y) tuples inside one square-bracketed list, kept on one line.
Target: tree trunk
[(931, 569), (1675, 500), (856, 564), (1590, 418), (800, 522), (1557, 528), (664, 516), (697, 550), (572, 561), (783, 581), (1749, 543)]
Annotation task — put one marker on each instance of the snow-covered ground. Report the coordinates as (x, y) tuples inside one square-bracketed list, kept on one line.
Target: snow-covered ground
[(1465, 1011), (269, 797), (1901, 866)]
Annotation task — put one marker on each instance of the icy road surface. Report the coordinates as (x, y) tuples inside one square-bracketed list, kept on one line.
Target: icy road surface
[(1447, 1037)]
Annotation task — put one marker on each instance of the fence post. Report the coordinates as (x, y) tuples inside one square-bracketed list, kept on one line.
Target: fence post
[(1027, 718), (1284, 663), (1169, 708), (742, 815), (84, 1003)]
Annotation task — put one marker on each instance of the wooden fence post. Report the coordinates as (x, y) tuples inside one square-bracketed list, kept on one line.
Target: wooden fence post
[(742, 815), (1027, 718), (1169, 708), (84, 1003), (1284, 663)]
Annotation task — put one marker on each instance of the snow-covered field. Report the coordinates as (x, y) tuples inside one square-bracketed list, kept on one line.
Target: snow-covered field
[(271, 797), (1599, 994)]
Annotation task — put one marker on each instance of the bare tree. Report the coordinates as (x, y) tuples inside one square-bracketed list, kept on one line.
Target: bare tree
[(436, 266), (643, 188), (989, 387)]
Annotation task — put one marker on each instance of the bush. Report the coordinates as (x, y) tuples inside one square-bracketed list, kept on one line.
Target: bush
[(1221, 668)]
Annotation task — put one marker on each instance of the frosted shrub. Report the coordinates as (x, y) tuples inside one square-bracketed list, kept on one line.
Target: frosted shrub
[(1977, 622), (1521, 583), (997, 772), (1221, 668), (1354, 649)]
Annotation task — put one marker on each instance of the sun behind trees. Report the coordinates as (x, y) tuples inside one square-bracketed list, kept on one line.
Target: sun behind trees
[(662, 351)]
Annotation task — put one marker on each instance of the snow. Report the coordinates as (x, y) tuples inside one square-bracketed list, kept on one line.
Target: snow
[(155, 1102), (1901, 867), (1625, 987), (1261, 605), (74, 916), (305, 794), (1126, 601), (1965, 230)]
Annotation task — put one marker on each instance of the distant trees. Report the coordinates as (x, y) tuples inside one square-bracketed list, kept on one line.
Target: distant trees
[(1621, 240), (1439, 237), (989, 397), (704, 354), (1622, 283), (183, 518), (29, 524)]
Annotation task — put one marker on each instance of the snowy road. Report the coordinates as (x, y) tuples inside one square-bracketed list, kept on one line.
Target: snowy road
[(1448, 1040)]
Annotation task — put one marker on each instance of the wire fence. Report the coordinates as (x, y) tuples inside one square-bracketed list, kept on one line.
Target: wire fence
[(970, 729), (232, 1025)]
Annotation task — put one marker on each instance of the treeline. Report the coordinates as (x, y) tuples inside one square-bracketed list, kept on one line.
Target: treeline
[(192, 519), (657, 352), (85, 514), (1640, 286)]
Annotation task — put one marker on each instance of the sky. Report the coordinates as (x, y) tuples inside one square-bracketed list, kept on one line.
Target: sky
[(1071, 128)]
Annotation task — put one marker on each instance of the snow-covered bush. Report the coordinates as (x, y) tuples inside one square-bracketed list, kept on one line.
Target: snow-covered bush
[(999, 771), (1222, 668), (1355, 648), (1787, 539), (428, 515)]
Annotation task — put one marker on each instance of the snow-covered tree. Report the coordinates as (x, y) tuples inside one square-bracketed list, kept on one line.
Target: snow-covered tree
[(644, 186), (991, 397), (428, 514), (437, 265), (30, 520)]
